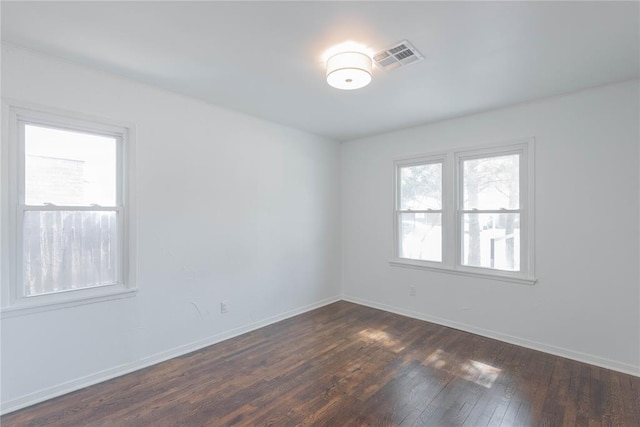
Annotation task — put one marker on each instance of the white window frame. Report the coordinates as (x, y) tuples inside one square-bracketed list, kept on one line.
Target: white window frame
[(452, 237), (417, 161), (15, 116)]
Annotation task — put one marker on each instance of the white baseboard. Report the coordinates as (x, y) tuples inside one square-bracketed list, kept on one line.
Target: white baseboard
[(546, 348), (98, 377)]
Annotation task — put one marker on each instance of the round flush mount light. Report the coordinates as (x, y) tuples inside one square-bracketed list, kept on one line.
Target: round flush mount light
[(349, 70)]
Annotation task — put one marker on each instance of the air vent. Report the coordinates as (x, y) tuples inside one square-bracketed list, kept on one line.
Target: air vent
[(397, 56)]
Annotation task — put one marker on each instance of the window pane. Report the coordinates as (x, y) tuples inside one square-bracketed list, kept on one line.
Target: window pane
[(69, 168), (65, 250), (421, 236), (421, 187), (492, 241), (492, 183)]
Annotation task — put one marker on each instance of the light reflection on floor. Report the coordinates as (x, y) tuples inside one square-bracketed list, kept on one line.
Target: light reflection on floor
[(470, 370), (381, 337), (415, 393)]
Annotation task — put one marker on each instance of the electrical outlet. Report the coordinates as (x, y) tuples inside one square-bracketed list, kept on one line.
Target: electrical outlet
[(412, 291), (224, 307)]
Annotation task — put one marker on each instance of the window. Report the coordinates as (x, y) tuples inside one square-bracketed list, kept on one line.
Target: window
[(420, 213), (467, 212), (490, 211), (68, 207)]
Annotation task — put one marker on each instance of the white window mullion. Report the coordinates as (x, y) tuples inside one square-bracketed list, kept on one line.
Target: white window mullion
[(449, 233), (457, 217)]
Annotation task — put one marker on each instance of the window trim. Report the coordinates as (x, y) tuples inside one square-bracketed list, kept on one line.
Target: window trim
[(15, 116), (452, 211)]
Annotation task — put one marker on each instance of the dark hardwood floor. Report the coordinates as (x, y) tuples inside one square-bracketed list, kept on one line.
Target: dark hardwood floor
[(345, 364)]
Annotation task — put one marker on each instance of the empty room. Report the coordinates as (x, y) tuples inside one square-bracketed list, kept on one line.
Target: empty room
[(323, 213)]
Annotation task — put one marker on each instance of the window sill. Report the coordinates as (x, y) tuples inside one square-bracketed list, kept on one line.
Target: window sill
[(26, 308), (408, 263)]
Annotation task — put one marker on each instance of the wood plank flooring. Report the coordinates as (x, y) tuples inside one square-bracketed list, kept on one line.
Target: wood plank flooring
[(348, 365)]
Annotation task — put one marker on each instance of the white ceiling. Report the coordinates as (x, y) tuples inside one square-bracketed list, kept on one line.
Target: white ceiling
[(264, 58)]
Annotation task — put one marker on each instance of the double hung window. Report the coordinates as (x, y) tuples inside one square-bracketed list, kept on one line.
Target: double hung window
[(467, 211), (419, 215), (68, 208), (489, 214)]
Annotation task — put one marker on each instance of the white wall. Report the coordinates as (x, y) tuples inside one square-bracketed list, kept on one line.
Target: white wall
[(586, 303), (229, 207)]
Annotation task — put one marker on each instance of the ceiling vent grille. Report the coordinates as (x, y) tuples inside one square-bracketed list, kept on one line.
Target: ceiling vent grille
[(397, 56)]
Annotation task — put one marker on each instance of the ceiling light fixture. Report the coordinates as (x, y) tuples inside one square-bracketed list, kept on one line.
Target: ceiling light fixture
[(349, 70)]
